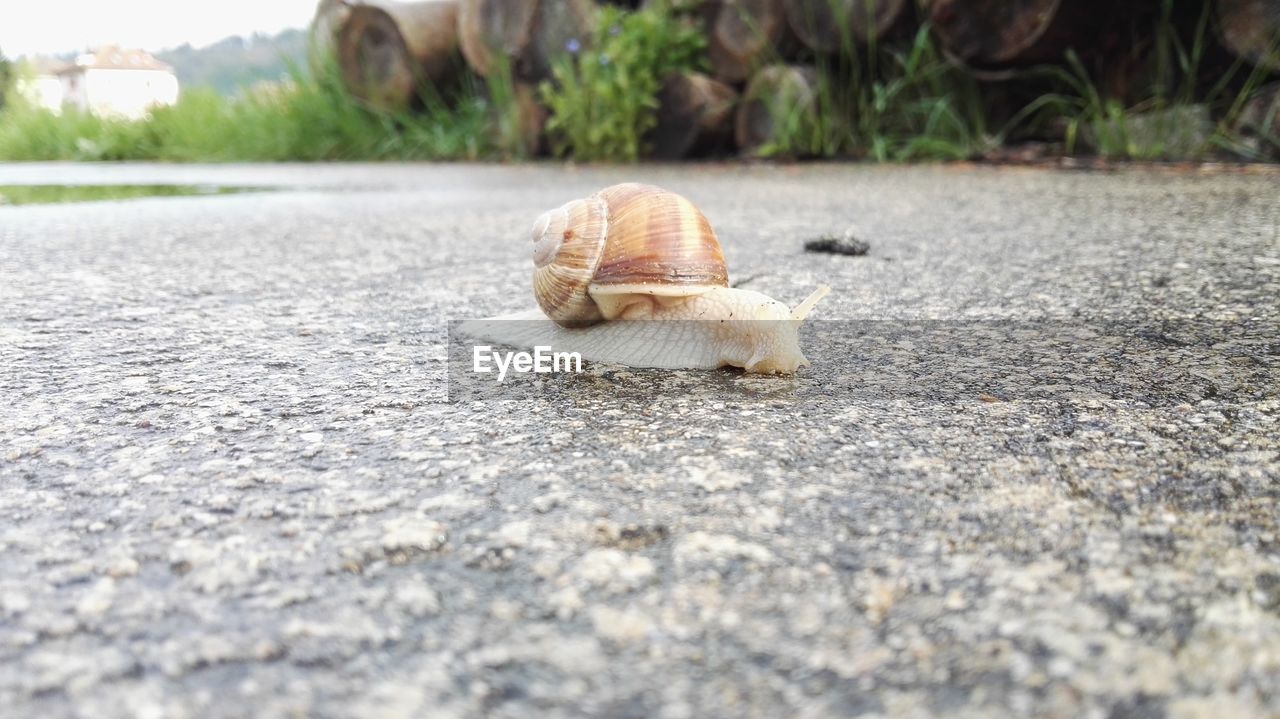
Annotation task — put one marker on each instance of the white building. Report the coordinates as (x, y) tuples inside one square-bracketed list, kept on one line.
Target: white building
[(120, 83), (40, 84)]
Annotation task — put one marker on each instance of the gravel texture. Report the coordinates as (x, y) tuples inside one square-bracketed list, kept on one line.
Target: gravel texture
[(231, 483)]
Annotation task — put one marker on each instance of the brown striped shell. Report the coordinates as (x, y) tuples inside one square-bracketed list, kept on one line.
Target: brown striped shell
[(621, 250)]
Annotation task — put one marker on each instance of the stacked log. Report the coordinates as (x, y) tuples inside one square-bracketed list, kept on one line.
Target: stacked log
[(828, 26), (1251, 30), (330, 14), (702, 10), (745, 34), (388, 50), (992, 36), (695, 116), (741, 35), (1258, 126), (533, 116), (522, 131), (525, 35), (491, 32), (775, 93)]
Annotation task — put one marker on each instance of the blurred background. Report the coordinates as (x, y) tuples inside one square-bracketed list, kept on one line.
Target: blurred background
[(882, 80)]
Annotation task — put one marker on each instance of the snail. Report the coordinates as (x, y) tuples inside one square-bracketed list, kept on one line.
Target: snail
[(634, 275)]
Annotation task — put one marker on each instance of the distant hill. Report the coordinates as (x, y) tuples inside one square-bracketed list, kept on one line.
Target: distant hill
[(236, 63)]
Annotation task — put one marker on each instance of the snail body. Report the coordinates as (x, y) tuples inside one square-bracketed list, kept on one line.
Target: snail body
[(634, 275)]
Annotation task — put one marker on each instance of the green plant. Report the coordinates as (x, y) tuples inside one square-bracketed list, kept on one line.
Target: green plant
[(885, 103), (602, 97), (308, 117), (7, 78), (1172, 118), (797, 103), (507, 108), (913, 104)]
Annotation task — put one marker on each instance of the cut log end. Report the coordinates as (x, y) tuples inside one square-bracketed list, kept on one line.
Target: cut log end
[(694, 115), (375, 60), (526, 35), (776, 93), (561, 27), (388, 50), (494, 31), (1258, 126), (829, 26), (1251, 30), (330, 14), (996, 32), (744, 34)]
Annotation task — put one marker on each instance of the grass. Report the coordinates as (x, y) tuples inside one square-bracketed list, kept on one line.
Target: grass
[(1173, 117), (311, 117), (509, 129), (603, 97), (883, 102)]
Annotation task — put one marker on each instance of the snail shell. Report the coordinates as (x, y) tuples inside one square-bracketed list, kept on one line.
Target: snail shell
[(621, 252)]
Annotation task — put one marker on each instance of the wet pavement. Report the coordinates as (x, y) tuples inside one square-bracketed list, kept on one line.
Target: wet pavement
[(1032, 470)]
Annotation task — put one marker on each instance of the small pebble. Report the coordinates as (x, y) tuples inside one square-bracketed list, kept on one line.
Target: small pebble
[(844, 245)]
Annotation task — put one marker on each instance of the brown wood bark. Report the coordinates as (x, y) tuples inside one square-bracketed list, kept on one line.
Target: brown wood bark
[(528, 35), (991, 36), (695, 114), (388, 50), (831, 25), (745, 34), (774, 93), (1251, 30)]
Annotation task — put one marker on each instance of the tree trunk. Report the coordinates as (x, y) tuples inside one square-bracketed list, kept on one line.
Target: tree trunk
[(745, 34), (526, 34), (779, 99), (1251, 30), (695, 114), (991, 36), (388, 50), (832, 25)]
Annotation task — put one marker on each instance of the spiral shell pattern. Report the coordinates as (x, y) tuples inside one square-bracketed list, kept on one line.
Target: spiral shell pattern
[(567, 245), (625, 239)]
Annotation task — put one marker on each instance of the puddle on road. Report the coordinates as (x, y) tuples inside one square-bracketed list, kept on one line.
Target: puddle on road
[(52, 194)]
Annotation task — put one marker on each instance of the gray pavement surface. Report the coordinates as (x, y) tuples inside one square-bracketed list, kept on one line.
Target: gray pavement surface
[(231, 484)]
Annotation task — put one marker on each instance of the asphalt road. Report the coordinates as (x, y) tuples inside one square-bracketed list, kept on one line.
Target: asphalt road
[(1033, 469)]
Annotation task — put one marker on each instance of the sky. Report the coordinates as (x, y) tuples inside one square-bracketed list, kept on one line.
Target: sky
[(57, 26)]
